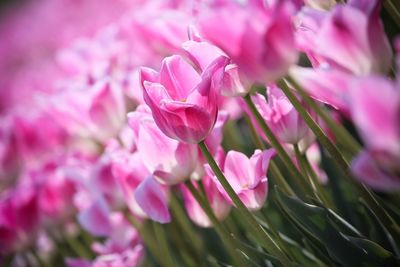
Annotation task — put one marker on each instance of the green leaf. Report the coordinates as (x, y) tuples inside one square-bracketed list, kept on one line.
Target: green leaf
[(346, 250)]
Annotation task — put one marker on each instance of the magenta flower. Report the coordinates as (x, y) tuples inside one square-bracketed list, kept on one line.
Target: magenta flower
[(19, 218), (153, 200), (258, 38), (169, 160), (183, 102), (376, 114), (280, 115), (350, 37), (246, 176)]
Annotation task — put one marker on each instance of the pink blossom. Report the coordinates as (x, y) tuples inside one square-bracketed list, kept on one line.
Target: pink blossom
[(246, 176), (376, 114), (280, 115), (153, 200), (350, 37), (183, 102), (169, 160), (19, 218), (258, 37)]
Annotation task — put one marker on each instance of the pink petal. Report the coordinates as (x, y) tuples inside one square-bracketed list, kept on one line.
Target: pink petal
[(153, 200)]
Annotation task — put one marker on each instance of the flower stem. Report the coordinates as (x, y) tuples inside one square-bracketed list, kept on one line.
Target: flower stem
[(275, 144), (162, 242), (147, 237), (184, 223), (258, 232), (276, 174), (325, 141), (39, 259), (221, 231), (307, 170), (369, 196), (340, 132)]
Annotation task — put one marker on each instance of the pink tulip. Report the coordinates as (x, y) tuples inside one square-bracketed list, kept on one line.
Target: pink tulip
[(258, 38), (376, 114), (96, 218), (377, 118), (152, 198), (367, 170), (202, 54), (280, 115), (19, 218), (327, 85), (129, 171), (183, 103), (169, 160), (246, 176), (350, 37)]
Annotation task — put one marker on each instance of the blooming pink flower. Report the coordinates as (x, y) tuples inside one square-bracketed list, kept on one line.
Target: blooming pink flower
[(376, 114), (246, 176), (280, 115), (183, 103), (96, 218), (350, 37), (153, 200), (19, 218), (169, 160), (258, 37), (366, 169)]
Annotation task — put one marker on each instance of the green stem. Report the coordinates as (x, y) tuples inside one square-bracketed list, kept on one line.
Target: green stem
[(77, 247), (325, 141), (184, 223), (147, 237), (221, 231), (39, 259), (316, 183), (393, 10), (275, 143), (258, 232), (280, 180), (340, 132), (276, 174), (370, 197), (163, 244), (304, 167)]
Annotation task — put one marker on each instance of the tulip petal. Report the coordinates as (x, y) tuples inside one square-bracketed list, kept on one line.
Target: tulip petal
[(153, 200)]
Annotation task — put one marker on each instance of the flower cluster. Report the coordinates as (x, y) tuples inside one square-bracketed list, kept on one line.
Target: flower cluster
[(126, 122)]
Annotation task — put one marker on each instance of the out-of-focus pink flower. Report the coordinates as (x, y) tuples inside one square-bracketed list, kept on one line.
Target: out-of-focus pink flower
[(246, 176), (375, 110), (366, 169), (202, 54), (376, 114), (280, 115), (153, 200), (219, 204), (183, 102), (350, 37), (258, 37), (19, 218), (169, 160), (96, 218), (130, 171), (327, 85), (121, 248)]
